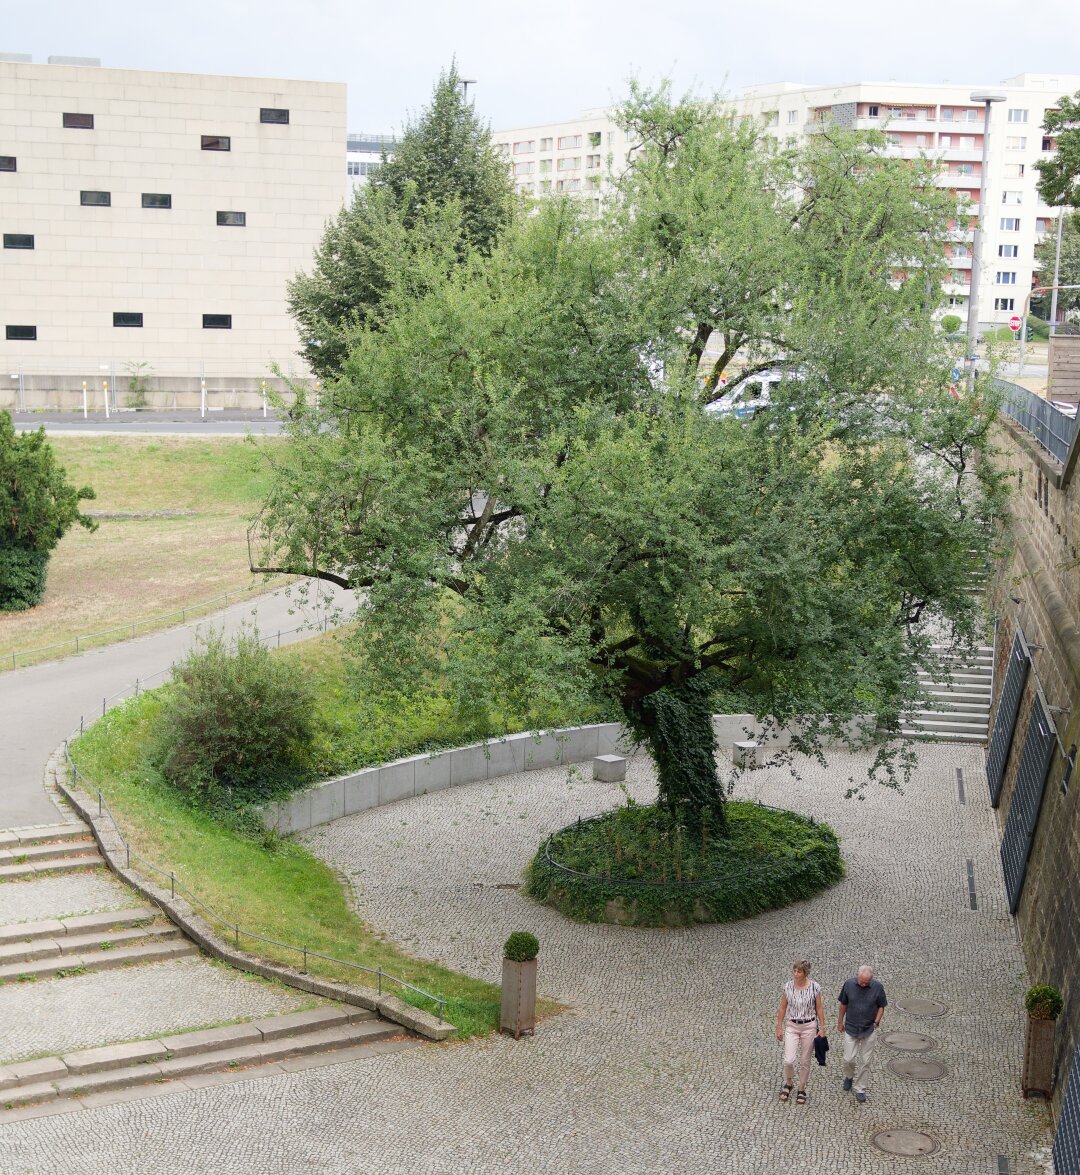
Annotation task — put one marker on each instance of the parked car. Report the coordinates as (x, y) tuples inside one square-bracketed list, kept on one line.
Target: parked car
[(752, 396)]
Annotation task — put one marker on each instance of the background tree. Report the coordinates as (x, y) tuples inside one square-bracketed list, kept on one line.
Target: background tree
[(444, 170), (516, 470), (1059, 175), (1069, 273), (38, 506)]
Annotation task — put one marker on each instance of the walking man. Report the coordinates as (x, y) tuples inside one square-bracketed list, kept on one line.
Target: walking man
[(862, 1004)]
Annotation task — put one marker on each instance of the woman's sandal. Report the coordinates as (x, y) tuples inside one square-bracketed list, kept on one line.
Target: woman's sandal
[(785, 1093), (800, 1098)]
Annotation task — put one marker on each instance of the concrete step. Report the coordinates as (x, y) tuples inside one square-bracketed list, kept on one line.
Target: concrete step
[(80, 924), (943, 736), (25, 869), (42, 834), (237, 1046), (86, 944), (974, 681), (949, 704), (32, 854), (933, 720), (96, 960), (961, 697)]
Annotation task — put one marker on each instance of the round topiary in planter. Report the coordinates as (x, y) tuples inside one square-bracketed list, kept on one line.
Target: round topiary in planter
[(518, 1011), (1044, 1004), (639, 866)]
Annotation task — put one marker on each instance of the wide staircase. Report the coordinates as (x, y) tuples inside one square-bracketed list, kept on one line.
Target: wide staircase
[(959, 701), (40, 958)]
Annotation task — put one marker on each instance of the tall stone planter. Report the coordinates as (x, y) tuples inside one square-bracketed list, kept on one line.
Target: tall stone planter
[(1038, 1072), (518, 1012)]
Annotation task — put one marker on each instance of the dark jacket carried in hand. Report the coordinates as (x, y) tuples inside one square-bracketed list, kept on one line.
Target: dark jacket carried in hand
[(821, 1047)]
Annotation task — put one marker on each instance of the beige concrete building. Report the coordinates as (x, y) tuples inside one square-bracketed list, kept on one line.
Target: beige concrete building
[(155, 218)]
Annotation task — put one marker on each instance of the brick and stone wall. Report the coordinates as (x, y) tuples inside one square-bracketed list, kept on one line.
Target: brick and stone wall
[(1037, 588)]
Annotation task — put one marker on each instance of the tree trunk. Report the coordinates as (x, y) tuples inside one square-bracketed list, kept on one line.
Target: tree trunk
[(676, 723)]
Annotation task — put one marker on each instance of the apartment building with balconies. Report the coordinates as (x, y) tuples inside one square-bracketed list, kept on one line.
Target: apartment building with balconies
[(942, 124)]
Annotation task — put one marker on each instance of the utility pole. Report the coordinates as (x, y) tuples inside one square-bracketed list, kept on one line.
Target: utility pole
[(987, 98)]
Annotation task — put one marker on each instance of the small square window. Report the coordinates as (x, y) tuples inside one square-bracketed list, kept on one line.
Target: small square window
[(594, 138), (98, 199), (20, 334), (217, 321), (127, 318), (215, 143), (79, 122), (238, 219), (18, 240), (7, 163), (270, 114), (156, 200)]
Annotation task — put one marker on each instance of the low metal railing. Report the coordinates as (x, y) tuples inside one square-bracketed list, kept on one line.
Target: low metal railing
[(235, 929), (1051, 428)]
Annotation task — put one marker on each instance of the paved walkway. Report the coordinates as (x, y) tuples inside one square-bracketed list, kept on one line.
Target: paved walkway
[(666, 1061), (41, 705)]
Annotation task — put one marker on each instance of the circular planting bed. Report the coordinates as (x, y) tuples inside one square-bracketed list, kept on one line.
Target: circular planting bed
[(637, 866)]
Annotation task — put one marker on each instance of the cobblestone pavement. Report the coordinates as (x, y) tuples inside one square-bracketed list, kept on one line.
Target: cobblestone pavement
[(667, 1061), (105, 1007), (62, 896)]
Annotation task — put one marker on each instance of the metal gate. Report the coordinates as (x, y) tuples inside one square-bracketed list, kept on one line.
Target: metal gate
[(997, 756), (1067, 1139), (1027, 800)]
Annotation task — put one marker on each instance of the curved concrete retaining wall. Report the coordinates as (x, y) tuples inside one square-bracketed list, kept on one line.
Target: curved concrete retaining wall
[(419, 774)]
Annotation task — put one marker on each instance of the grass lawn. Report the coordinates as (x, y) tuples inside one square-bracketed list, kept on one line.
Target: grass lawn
[(173, 535), (281, 890)]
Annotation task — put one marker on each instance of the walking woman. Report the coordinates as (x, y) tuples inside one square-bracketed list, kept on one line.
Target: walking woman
[(801, 1017)]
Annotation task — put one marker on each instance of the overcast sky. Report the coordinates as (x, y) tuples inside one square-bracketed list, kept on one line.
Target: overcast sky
[(549, 59)]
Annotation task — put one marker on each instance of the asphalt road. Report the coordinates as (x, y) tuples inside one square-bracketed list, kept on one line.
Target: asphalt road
[(41, 706)]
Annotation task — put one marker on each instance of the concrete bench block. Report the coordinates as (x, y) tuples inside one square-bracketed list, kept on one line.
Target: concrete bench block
[(327, 802), (397, 781), (433, 772), (746, 754), (609, 768), (362, 791)]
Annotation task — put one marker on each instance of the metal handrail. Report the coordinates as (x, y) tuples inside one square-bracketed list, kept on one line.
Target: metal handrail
[(1053, 430), (129, 628), (235, 928)]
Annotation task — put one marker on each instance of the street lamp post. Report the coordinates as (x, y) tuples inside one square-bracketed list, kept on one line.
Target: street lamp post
[(987, 98)]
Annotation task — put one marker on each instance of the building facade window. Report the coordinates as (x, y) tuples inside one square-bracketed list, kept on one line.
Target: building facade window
[(525, 168), (545, 165), (18, 240), (1018, 115), (20, 334), (95, 199), (1014, 171), (215, 142), (1008, 250), (79, 122), (545, 144), (592, 162), (1004, 303), (127, 318), (217, 321), (1043, 224), (8, 163), (594, 138), (525, 147), (872, 112), (573, 163), (792, 115), (964, 169), (1010, 224), (1006, 277), (568, 142), (1012, 197), (232, 219), (1047, 145), (156, 200), (274, 114), (1016, 142)]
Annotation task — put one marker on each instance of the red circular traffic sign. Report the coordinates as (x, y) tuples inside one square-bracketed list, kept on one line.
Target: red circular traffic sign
[(1014, 323)]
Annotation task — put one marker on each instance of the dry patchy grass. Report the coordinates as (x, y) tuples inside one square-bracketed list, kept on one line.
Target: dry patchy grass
[(182, 542)]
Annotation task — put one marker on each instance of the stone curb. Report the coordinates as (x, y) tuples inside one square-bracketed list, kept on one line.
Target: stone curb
[(201, 932)]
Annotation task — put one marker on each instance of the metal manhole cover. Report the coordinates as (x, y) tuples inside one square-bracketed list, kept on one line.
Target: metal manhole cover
[(916, 1068), (921, 1007), (908, 1143), (909, 1042)]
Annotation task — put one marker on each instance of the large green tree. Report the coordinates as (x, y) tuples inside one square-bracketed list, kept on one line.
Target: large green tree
[(445, 173), (1069, 273), (38, 506), (516, 470), (1059, 175)]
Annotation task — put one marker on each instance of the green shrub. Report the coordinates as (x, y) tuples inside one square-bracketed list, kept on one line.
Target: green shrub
[(1043, 1002), (22, 578), (521, 946), (950, 324), (237, 726), (639, 866)]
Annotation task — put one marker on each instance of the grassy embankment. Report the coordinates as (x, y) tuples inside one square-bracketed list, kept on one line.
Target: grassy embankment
[(281, 890), (174, 536)]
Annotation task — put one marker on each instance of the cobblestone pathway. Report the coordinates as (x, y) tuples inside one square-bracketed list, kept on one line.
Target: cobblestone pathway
[(666, 1061)]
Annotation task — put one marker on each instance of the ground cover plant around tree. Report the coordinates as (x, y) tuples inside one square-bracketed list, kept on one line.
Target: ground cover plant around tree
[(516, 470)]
